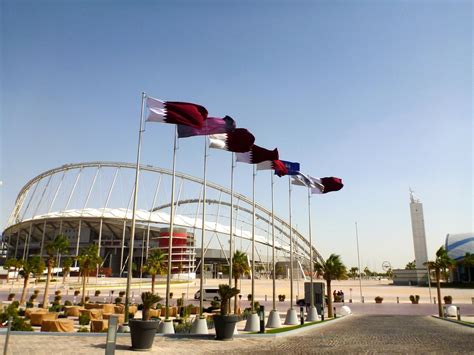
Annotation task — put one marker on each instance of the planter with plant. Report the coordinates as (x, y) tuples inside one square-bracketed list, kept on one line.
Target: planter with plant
[(281, 298), (414, 299), (378, 299), (143, 330), (224, 322), (448, 299)]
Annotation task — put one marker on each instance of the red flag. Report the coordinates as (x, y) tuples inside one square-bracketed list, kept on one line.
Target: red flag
[(257, 155), (183, 113), (238, 141)]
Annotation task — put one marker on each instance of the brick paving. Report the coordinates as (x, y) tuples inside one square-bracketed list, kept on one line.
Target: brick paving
[(368, 334)]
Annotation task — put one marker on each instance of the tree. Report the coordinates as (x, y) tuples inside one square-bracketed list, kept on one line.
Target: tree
[(155, 265), (240, 267), (58, 245), (33, 265), (67, 263), (367, 272), (468, 263), (411, 265), (12, 263), (442, 262), (353, 272), (332, 269), (88, 260)]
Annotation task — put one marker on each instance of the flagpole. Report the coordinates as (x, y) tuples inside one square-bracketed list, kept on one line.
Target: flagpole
[(310, 249), (291, 317), (274, 316), (135, 200), (231, 233), (273, 241), (291, 244), (312, 312), (171, 229), (253, 237), (358, 262), (203, 229)]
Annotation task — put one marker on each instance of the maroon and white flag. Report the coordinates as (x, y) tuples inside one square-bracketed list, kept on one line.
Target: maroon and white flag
[(238, 141), (212, 125), (183, 113), (328, 184), (318, 185), (257, 155), (277, 165)]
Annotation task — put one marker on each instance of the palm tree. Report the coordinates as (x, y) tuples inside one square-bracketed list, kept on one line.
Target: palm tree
[(88, 260), (12, 263), (332, 269), (67, 263), (155, 265), (34, 265), (353, 272), (240, 267), (442, 262), (59, 244), (411, 265)]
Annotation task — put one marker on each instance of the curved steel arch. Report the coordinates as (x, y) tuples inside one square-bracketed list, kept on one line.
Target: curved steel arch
[(100, 164)]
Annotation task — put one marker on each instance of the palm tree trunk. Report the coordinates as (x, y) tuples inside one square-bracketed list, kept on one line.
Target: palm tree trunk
[(46, 287), (83, 288), (153, 283), (235, 299), (330, 313), (438, 289), (25, 286)]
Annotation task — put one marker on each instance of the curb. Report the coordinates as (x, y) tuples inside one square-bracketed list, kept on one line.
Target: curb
[(291, 332), (454, 321)]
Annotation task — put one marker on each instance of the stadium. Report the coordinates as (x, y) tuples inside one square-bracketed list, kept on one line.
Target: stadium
[(91, 202)]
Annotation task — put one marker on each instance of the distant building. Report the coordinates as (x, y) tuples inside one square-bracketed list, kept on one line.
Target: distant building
[(419, 275), (457, 245)]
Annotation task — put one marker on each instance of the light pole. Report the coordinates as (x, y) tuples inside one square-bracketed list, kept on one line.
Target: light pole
[(358, 262)]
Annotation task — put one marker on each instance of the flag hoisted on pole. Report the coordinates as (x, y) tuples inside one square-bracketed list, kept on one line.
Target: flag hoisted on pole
[(239, 140), (183, 113), (134, 210), (212, 125)]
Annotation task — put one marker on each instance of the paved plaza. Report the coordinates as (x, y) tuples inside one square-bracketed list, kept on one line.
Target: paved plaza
[(375, 333)]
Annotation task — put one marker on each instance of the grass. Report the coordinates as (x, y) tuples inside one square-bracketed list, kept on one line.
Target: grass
[(287, 329)]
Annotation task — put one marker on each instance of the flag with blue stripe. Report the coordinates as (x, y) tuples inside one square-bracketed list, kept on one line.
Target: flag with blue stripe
[(293, 168)]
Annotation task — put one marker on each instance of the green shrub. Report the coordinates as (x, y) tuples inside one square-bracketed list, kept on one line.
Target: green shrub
[(33, 297), (183, 328), (179, 302), (84, 319), (67, 303), (83, 330), (20, 324), (29, 304)]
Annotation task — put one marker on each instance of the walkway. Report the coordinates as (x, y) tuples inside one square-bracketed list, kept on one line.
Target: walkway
[(356, 334)]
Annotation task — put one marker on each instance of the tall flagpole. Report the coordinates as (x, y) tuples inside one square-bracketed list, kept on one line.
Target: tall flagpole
[(273, 242), (253, 237), (231, 232), (203, 229), (310, 249), (291, 244), (135, 200), (170, 237), (291, 317), (358, 262)]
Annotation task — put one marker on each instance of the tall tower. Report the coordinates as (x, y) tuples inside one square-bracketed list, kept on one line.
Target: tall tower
[(418, 229)]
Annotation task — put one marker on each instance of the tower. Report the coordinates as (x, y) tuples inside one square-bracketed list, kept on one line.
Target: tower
[(418, 229)]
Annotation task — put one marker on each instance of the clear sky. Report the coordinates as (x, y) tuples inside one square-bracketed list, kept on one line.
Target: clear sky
[(378, 93)]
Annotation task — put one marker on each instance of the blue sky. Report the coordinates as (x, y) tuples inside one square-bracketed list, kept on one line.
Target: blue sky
[(378, 93)]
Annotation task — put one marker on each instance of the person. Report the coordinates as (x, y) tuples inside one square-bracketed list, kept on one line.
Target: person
[(342, 296), (334, 295)]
